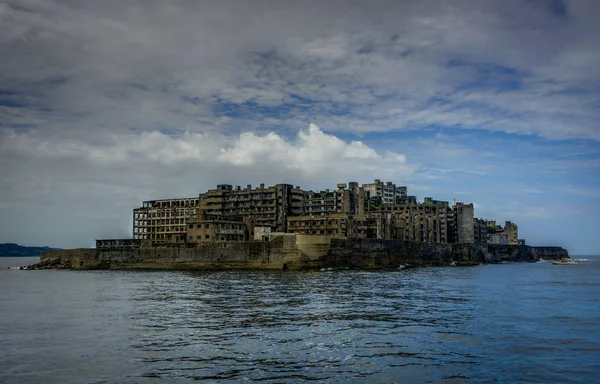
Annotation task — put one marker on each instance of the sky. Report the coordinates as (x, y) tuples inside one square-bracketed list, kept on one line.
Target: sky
[(105, 104)]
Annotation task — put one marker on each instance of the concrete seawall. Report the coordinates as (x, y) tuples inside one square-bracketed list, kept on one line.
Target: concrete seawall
[(371, 253), (296, 252)]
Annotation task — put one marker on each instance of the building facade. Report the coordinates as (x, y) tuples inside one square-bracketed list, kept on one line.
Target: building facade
[(428, 222), (380, 193), (159, 220), (376, 210), (512, 232), (266, 206), (211, 228), (334, 225), (463, 216)]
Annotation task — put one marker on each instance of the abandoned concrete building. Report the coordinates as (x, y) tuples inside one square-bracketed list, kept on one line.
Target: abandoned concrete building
[(488, 232), (379, 210), (268, 206), (463, 223), (512, 233), (157, 220), (333, 224), (386, 192), (343, 200), (427, 222), (206, 228)]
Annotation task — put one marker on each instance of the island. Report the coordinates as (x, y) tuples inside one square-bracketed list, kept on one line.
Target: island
[(284, 227), (16, 250)]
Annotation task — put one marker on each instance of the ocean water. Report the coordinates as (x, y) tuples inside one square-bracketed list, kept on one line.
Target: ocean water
[(508, 323)]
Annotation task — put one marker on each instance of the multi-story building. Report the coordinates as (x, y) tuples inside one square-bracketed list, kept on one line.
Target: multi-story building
[(211, 228), (420, 222), (355, 197), (159, 220), (335, 225), (367, 227), (424, 223), (463, 223), (344, 200), (377, 210), (266, 206), (481, 232), (379, 192), (512, 232), (324, 203)]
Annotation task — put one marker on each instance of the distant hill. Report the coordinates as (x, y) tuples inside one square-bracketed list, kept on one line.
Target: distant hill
[(16, 250)]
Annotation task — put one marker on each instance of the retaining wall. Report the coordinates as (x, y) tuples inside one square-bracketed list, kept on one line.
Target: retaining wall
[(297, 252)]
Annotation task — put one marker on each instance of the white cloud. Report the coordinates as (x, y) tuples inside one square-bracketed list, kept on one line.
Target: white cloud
[(150, 65)]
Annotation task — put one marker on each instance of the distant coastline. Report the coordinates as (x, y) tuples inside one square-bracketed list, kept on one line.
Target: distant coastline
[(16, 250)]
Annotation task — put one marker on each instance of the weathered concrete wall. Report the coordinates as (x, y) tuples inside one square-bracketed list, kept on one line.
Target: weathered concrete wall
[(549, 253), (230, 255), (372, 253), (297, 252)]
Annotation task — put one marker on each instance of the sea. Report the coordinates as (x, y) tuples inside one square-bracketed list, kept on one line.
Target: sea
[(504, 323)]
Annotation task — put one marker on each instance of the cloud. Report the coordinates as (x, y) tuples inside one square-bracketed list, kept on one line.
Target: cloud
[(501, 66)]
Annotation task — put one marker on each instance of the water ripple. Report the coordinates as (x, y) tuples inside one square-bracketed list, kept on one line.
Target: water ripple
[(515, 323)]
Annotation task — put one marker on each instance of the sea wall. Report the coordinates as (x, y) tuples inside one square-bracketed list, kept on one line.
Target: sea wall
[(223, 255), (296, 252), (371, 253)]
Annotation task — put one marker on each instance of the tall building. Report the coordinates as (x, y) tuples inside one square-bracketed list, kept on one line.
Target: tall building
[(420, 222), (377, 210), (161, 220), (379, 192), (356, 198), (212, 228), (335, 225), (323, 203), (480, 231), (512, 232), (265, 206), (463, 223)]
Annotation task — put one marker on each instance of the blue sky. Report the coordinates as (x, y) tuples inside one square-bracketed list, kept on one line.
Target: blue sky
[(106, 104)]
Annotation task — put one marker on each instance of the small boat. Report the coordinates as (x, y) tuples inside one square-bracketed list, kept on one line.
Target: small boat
[(564, 261)]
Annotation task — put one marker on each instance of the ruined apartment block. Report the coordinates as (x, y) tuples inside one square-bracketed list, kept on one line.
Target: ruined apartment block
[(334, 225), (377, 211), (463, 223), (385, 193), (343, 200), (266, 206), (161, 220), (512, 232), (210, 228)]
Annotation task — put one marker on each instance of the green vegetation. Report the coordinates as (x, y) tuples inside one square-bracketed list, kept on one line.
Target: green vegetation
[(16, 250)]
